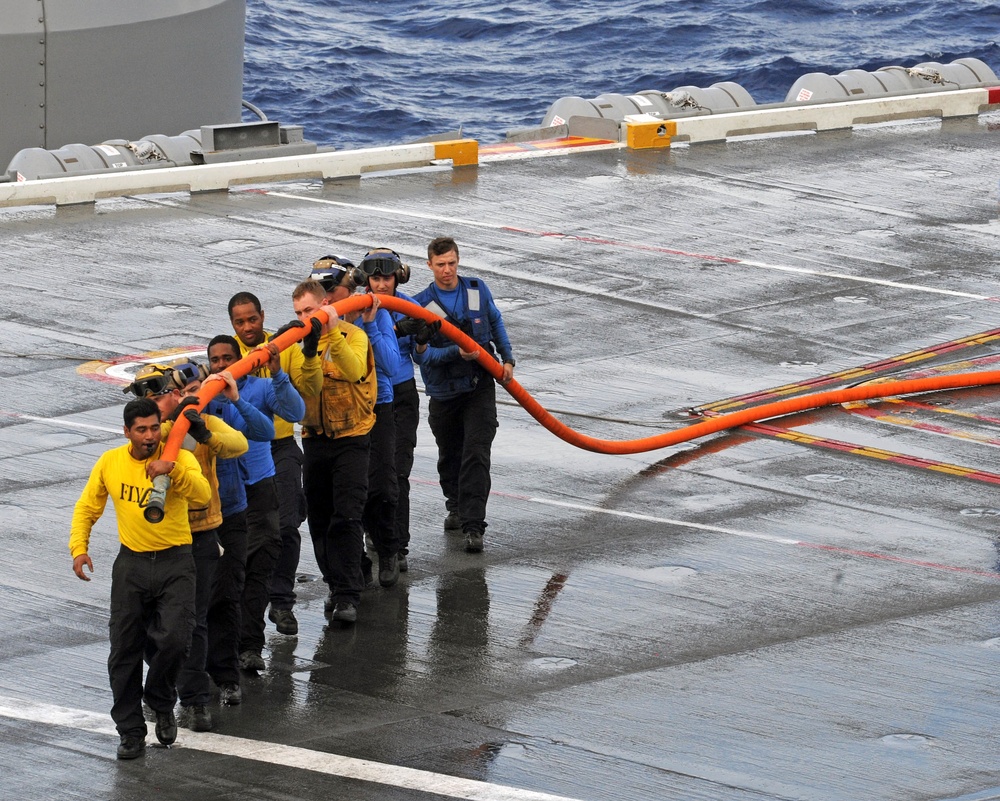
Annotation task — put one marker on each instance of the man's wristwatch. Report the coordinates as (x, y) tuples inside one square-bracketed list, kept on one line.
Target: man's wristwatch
[(510, 361)]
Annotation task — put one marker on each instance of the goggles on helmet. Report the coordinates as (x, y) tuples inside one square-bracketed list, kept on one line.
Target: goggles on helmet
[(384, 262), (380, 264), (151, 385), (159, 379)]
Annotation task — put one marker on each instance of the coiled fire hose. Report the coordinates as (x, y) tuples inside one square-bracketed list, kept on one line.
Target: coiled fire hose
[(702, 428)]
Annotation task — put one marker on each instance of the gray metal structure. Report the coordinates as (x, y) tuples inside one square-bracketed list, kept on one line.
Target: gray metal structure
[(814, 87), (684, 100), (819, 87), (212, 144), (86, 71)]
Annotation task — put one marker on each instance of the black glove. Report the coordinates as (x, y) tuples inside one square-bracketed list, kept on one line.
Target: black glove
[(288, 327), (190, 400), (198, 429), (310, 342), (408, 326), (426, 332)]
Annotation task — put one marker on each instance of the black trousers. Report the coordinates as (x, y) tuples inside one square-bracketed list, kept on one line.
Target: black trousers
[(335, 477), (263, 547), (406, 410), (225, 609), (379, 516), (152, 615), (193, 683), (464, 428), (291, 512)]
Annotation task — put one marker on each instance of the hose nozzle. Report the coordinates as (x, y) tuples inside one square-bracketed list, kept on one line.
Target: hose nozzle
[(157, 499)]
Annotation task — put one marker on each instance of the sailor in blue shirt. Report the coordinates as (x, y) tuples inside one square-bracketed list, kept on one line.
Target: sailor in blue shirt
[(462, 412), (271, 396), (383, 485), (385, 272), (225, 607)]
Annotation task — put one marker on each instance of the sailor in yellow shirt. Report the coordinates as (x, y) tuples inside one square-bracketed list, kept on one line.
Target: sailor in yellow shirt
[(209, 439), (336, 441), (303, 367), (153, 577)]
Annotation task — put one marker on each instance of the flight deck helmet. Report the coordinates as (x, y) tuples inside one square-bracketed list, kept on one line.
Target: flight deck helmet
[(334, 271), (159, 379), (384, 261)]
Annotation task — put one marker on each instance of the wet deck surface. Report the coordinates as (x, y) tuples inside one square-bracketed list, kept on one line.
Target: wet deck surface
[(750, 618)]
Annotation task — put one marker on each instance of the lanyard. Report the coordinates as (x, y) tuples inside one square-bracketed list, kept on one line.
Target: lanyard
[(459, 303)]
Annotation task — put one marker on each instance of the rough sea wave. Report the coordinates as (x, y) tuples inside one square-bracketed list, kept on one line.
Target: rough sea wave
[(358, 74)]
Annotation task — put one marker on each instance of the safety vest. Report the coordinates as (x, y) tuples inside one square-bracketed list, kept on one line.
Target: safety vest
[(478, 326), (459, 376), (344, 408), (210, 516)]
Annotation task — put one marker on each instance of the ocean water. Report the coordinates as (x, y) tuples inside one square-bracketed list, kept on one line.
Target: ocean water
[(359, 74)]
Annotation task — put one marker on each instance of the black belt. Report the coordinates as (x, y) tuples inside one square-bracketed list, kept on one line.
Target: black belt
[(166, 553)]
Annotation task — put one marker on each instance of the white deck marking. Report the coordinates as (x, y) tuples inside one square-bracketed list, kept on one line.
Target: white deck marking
[(866, 280), (582, 507), (420, 215), (53, 421), (735, 532), (860, 279), (992, 575), (285, 755)]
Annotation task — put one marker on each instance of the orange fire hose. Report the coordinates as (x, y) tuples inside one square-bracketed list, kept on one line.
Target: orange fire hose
[(700, 429)]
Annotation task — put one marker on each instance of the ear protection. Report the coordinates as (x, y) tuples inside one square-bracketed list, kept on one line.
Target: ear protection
[(184, 372)]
